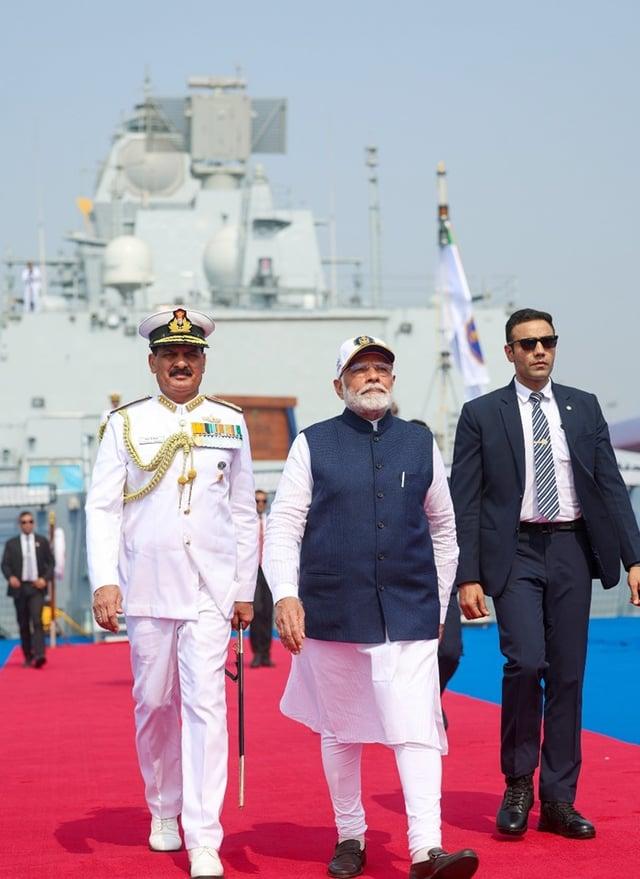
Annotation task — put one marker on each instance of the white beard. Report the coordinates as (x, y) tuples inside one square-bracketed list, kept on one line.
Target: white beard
[(365, 404)]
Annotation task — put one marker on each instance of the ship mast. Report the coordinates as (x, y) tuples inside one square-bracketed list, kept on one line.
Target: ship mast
[(374, 225)]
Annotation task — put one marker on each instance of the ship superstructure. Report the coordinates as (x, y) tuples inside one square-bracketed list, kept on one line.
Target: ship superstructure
[(181, 214), (184, 214)]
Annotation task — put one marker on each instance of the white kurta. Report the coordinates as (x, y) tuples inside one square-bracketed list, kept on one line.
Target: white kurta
[(161, 547), (386, 693)]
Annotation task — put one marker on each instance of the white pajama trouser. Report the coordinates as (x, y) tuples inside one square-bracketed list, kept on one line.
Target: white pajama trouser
[(178, 673), (420, 770), (387, 693)]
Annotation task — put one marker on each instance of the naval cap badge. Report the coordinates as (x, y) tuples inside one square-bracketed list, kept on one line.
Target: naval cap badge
[(180, 322)]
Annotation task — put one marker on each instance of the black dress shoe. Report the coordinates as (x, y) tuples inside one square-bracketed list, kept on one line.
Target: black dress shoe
[(446, 865), (516, 805), (39, 661), (27, 662), (348, 859), (267, 662), (256, 662), (563, 819)]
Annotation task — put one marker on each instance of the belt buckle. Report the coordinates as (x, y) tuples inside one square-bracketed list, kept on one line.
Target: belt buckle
[(546, 528)]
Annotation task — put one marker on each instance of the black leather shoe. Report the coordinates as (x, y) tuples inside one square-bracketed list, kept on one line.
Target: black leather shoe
[(256, 662), (516, 805), (563, 819), (39, 661), (348, 859), (267, 662), (445, 865)]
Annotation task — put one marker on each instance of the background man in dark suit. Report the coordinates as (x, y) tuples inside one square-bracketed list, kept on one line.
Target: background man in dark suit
[(28, 565), (261, 631), (540, 509), (450, 646)]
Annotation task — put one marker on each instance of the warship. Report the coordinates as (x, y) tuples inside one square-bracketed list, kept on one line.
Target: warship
[(184, 214)]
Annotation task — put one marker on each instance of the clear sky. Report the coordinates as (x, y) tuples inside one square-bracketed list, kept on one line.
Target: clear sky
[(533, 107)]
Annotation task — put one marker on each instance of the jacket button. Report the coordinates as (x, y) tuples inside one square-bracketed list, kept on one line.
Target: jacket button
[(381, 588), (380, 494), (381, 556), (378, 466), (376, 439), (380, 524)]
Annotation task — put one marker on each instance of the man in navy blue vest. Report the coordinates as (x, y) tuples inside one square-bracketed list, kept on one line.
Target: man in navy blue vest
[(360, 555), (540, 510)]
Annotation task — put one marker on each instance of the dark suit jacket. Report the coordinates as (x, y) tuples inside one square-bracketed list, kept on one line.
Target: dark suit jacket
[(487, 484), (12, 559)]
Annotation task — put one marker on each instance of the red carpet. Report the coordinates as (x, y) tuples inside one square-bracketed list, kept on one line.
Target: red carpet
[(72, 803)]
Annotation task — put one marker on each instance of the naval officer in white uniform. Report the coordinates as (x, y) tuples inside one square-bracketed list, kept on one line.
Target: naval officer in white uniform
[(361, 555), (172, 540)]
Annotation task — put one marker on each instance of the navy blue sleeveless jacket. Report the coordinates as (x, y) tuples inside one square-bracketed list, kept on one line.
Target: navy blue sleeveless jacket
[(366, 561)]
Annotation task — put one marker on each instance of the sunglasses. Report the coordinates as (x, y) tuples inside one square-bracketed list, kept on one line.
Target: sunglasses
[(547, 342)]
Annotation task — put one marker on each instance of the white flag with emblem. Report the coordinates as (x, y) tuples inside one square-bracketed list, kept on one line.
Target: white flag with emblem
[(460, 328)]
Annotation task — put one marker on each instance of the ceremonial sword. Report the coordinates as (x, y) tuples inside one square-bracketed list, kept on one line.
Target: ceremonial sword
[(239, 678)]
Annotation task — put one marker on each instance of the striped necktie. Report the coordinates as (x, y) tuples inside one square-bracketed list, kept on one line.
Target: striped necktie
[(545, 475), (32, 569)]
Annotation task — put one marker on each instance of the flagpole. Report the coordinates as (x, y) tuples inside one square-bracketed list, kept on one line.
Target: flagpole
[(462, 334), (444, 356), (52, 582)]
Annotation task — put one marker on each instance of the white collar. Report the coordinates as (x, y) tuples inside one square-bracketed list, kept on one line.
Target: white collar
[(524, 393)]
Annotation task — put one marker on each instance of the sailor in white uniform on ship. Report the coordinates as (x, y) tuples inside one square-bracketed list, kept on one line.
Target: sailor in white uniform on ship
[(31, 286), (361, 555), (172, 538)]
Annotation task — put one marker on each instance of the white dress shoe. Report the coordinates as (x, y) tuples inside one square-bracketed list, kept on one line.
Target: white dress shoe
[(165, 835), (205, 863)]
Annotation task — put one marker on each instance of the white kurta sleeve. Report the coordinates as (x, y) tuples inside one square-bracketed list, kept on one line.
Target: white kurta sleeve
[(245, 519), (104, 507), (438, 507), (287, 521)]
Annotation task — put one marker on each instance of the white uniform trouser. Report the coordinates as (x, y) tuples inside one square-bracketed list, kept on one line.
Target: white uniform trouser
[(420, 770), (178, 672)]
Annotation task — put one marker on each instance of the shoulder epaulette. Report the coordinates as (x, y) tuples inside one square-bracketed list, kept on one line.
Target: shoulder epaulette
[(132, 403), (213, 399)]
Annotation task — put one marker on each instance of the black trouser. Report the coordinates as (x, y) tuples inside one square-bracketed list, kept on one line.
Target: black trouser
[(29, 602), (450, 648), (543, 620), (260, 633)]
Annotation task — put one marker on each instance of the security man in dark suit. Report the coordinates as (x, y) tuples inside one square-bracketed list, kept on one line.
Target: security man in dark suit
[(28, 565), (541, 509)]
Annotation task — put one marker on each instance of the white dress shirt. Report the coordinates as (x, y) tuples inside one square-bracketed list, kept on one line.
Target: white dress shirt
[(161, 547), (569, 505), (29, 560), (288, 517)]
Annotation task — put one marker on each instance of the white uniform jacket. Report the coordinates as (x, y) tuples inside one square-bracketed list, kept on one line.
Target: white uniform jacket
[(161, 547)]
